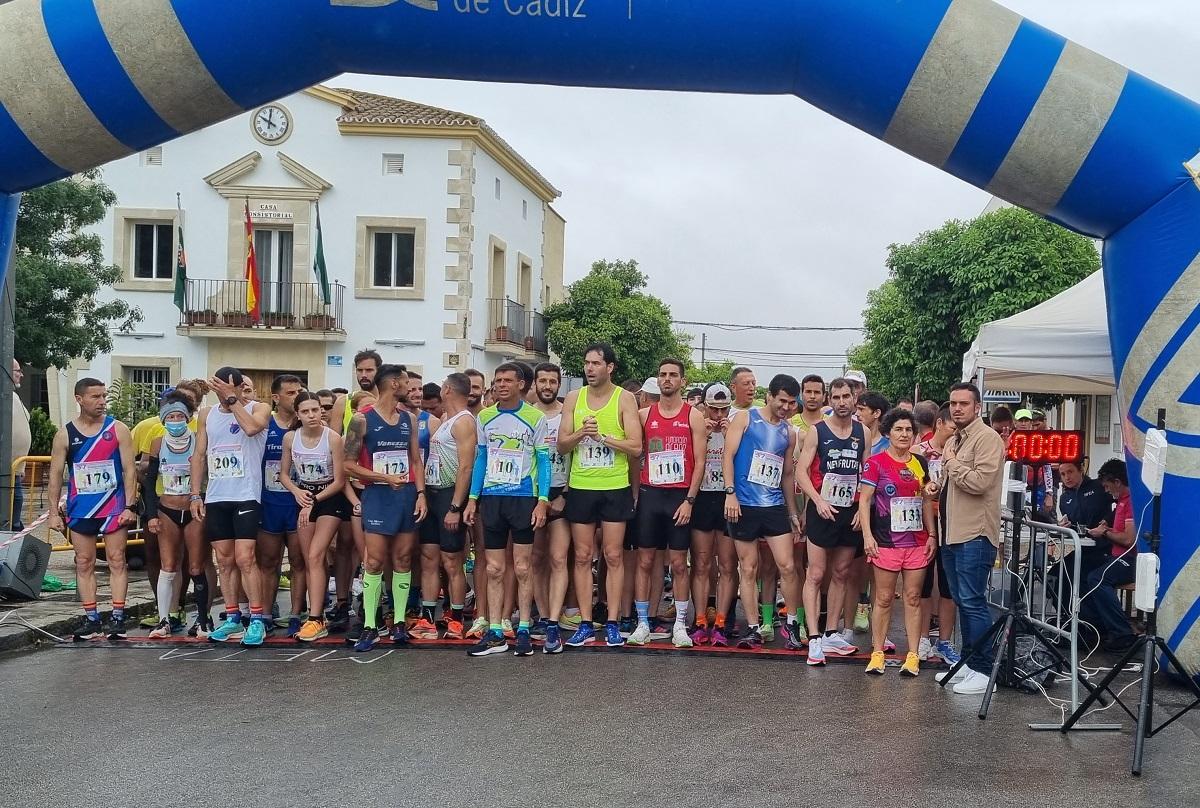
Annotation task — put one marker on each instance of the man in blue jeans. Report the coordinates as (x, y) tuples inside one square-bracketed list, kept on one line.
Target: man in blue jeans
[(972, 479)]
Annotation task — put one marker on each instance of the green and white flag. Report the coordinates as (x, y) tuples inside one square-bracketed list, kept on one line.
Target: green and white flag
[(319, 262)]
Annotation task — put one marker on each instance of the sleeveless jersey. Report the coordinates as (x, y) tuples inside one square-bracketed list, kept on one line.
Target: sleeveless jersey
[(312, 466), (441, 464), (96, 480), (758, 464), (837, 465), (273, 491), (594, 466), (668, 461), (174, 468), (385, 446), (235, 461), (714, 457), (559, 464)]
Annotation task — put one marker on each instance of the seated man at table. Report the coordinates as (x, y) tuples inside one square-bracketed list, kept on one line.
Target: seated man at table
[(1101, 607)]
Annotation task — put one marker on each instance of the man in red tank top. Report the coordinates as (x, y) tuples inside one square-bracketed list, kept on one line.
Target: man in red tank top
[(672, 470)]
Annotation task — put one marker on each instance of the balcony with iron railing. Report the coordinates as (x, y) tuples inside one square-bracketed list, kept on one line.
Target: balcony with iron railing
[(295, 310), (514, 330)]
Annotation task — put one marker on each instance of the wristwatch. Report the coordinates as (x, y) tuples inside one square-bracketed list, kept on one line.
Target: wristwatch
[(690, 500), (230, 401), (455, 508), (729, 489)]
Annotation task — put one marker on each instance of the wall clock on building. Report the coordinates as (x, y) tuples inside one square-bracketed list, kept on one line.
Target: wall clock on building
[(271, 124)]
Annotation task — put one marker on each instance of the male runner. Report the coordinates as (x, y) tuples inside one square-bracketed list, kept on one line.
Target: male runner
[(743, 384), (672, 471), (431, 400), (96, 451), (933, 449), (557, 532), (447, 483), (427, 424), (510, 491), (757, 446), (280, 511), (478, 387), (709, 525), (382, 451), (830, 463), (869, 411), (366, 366), (478, 579), (327, 399), (602, 430), (230, 441)]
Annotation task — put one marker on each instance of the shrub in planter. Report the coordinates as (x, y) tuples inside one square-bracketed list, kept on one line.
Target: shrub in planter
[(319, 322), (202, 317), (236, 319)]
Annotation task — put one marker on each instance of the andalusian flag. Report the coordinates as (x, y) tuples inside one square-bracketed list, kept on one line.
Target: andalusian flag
[(319, 262), (252, 306), (180, 264)]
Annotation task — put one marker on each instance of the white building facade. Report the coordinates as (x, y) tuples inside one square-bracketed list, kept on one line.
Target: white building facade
[(440, 241)]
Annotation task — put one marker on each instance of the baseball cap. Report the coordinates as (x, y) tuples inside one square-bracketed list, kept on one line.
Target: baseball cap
[(1021, 415), (651, 386), (717, 394), (856, 376), (1038, 415)]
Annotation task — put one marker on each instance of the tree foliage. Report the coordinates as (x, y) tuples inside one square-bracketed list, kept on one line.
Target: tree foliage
[(948, 282), (609, 305), (59, 271), (711, 372)]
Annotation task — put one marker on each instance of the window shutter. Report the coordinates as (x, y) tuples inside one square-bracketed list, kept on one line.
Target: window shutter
[(152, 157), (393, 164)]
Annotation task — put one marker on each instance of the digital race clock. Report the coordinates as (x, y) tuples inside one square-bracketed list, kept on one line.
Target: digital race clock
[(1045, 446)]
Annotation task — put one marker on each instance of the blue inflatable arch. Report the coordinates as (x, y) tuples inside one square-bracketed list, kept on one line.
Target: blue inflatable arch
[(965, 85)]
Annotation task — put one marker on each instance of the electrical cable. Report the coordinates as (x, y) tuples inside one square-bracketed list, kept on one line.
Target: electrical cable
[(746, 327)]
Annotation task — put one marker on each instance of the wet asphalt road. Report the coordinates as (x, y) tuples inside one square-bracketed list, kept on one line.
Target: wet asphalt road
[(431, 727)]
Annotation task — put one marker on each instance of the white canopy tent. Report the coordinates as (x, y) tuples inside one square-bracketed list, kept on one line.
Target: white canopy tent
[(1058, 346)]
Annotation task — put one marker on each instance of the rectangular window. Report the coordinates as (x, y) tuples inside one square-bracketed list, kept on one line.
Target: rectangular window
[(524, 209), (153, 251), (146, 385), (273, 253), (393, 259), (497, 187)]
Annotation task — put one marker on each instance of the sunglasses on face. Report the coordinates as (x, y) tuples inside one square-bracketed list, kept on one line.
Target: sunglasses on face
[(327, 407)]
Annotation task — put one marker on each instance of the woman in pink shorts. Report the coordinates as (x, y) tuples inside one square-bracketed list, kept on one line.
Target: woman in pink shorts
[(897, 521)]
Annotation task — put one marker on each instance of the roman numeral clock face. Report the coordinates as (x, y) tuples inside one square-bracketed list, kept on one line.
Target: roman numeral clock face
[(271, 124)]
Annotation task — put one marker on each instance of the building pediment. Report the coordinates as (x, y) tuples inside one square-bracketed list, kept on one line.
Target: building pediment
[(233, 180)]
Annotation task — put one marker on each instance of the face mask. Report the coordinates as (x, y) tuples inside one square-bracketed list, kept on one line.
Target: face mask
[(176, 429)]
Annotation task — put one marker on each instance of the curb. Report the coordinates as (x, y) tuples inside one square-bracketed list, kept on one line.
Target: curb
[(26, 638)]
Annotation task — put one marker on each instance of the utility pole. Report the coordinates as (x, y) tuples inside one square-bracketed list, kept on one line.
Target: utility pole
[(703, 346)]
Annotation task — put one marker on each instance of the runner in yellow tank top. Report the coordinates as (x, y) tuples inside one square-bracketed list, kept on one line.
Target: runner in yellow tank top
[(602, 430)]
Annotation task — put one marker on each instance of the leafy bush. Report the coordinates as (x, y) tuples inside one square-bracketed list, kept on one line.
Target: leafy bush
[(42, 430)]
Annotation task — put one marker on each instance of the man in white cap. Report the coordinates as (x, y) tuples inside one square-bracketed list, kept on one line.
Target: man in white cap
[(648, 393), (858, 382)]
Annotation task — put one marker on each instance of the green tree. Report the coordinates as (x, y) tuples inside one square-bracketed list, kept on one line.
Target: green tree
[(711, 372), (59, 272), (948, 282), (609, 305)]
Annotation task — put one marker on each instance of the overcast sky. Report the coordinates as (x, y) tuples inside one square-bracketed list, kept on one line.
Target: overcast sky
[(787, 211)]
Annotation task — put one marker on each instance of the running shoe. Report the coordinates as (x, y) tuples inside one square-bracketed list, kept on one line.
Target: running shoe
[(796, 640), (627, 625), (162, 630), (911, 666), (584, 635), (946, 651), (231, 629), (862, 618), (553, 643), (116, 629), (293, 626), (888, 646), (640, 635), (569, 622), (201, 628), (679, 636), (716, 638), (524, 645), (354, 632), (767, 632), (507, 626), (538, 629), (400, 635), (924, 649), (701, 635), (489, 644), (612, 637), (424, 630), (836, 644), (366, 640), (816, 652), (962, 674), (285, 582), (478, 628), (454, 629), (878, 663), (749, 639), (255, 633), (177, 624), (312, 630), (149, 621), (339, 619)]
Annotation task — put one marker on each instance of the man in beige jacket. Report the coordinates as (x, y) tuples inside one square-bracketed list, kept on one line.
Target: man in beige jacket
[(972, 477)]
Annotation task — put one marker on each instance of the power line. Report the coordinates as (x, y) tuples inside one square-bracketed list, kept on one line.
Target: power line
[(745, 327), (750, 352)]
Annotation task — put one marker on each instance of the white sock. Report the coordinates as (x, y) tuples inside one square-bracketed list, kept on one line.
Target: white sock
[(571, 612), (244, 608), (165, 592), (682, 607)]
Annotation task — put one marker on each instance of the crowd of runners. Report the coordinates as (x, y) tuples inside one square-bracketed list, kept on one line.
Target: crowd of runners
[(501, 511)]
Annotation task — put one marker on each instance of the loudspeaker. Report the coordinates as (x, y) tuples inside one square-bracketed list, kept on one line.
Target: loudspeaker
[(22, 566)]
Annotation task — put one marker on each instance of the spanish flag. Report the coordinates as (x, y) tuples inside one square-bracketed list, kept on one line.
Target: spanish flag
[(252, 306)]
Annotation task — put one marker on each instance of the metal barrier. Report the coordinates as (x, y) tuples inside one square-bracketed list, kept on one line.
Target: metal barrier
[(35, 500)]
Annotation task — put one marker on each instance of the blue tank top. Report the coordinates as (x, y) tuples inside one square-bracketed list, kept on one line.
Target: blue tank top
[(758, 464), (273, 491), (385, 446), (96, 479), (174, 468), (423, 434)]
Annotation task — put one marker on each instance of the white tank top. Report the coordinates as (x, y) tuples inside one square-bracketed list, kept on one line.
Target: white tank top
[(234, 460), (559, 464), (441, 465), (313, 465)]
